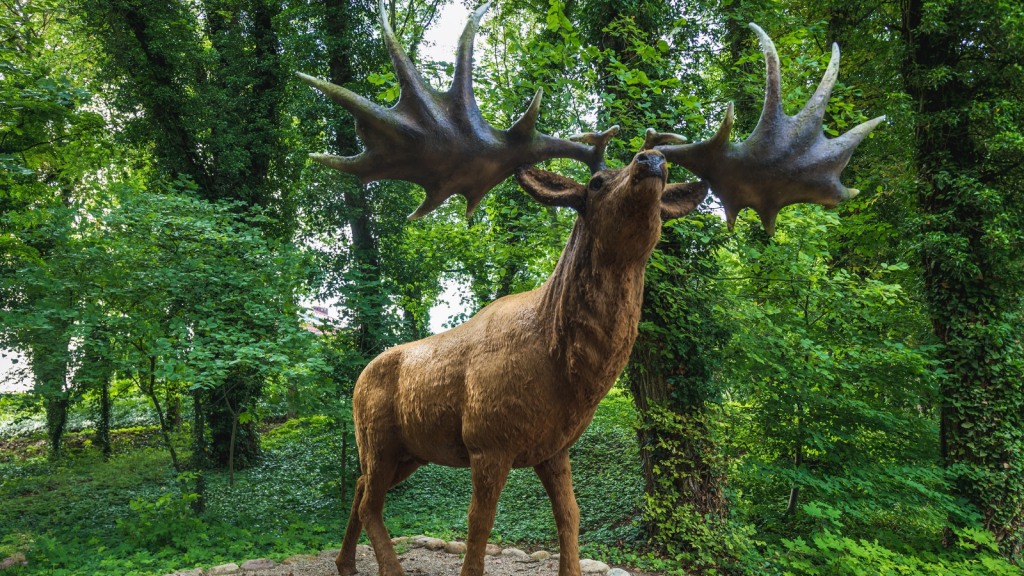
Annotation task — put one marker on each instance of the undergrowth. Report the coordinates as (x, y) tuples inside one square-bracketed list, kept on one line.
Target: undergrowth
[(130, 516)]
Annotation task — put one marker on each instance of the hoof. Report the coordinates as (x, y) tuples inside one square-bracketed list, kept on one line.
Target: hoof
[(346, 570)]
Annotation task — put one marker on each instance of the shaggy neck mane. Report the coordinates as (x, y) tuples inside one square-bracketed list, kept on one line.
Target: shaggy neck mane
[(591, 307)]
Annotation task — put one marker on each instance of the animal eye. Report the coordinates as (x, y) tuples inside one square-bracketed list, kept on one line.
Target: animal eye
[(596, 182)]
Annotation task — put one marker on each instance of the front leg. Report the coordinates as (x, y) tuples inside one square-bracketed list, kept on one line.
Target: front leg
[(489, 475), (556, 475)]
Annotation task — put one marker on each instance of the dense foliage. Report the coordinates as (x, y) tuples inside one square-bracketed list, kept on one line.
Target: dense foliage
[(844, 397)]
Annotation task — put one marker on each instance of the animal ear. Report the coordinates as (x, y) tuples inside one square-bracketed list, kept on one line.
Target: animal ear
[(678, 200), (552, 189)]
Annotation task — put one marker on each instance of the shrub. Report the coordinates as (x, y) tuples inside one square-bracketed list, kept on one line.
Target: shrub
[(166, 521)]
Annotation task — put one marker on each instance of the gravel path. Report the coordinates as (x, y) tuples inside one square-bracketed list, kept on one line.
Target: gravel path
[(415, 562), (419, 561)]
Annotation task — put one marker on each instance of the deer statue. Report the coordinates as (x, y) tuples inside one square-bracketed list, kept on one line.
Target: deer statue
[(516, 385)]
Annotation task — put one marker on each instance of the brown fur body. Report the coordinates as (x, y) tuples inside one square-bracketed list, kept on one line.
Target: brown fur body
[(516, 385)]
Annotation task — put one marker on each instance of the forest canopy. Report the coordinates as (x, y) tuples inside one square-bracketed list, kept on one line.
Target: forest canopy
[(193, 298)]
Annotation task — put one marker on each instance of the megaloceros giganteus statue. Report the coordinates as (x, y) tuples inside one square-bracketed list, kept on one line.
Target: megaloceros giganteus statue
[(516, 385)]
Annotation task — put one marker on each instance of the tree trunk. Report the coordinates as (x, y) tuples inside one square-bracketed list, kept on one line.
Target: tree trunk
[(240, 388), (794, 491), (199, 457), (747, 109), (49, 362), (365, 257), (676, 450), (173, 401), (151, 392), (231, 453), (649, 389), (56, 420), (103, 427), (956, 64)]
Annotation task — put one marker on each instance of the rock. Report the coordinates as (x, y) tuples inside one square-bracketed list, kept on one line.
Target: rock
[(434, 544), (299, 559), (333, 553), (193, 572), (400, 540), (258, 564), (492, 550), (229, 568), (417, 541), (362, 549), (588, 566), (13, 560), (617, 572), (541, 555), (515, 554), (455, 548)]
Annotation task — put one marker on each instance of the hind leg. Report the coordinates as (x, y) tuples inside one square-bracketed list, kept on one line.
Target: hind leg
[(346, 560), (380, 471)]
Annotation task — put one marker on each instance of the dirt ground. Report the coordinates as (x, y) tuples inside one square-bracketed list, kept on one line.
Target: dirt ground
[(419, 562)]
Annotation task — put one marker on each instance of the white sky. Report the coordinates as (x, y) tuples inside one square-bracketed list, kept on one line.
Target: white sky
[(441, 39), (6, 365)]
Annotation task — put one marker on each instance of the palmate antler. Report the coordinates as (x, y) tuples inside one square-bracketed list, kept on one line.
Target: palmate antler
[(785, 160), (440, 140)]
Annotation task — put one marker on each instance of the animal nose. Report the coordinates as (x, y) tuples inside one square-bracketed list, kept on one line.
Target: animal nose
[(653, 162)]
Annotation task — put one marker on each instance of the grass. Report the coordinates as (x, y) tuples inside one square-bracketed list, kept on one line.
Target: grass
[(69, 512)]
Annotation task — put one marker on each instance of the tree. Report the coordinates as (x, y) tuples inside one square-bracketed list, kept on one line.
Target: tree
[(674, 377), (49, 142), (210, 82), (234, 323), (370, 261), (961, 70)]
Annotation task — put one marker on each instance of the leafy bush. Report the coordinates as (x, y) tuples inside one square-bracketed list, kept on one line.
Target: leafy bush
[(166, 521), (830, 552)]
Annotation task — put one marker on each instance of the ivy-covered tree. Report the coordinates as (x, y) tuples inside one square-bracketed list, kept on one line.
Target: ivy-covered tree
[(674, 376), (203, 87), (961, 69)]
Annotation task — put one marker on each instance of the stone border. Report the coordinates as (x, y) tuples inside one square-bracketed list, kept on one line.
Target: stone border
[(587, 566)]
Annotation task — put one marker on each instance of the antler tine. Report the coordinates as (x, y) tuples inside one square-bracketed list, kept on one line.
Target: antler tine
[(785, 160), (360, 107), (599, 141), (462, 82), (405, 70), (654, 138), (772, 109), (815, 107), (527, 123), (698, 157), (844, 145), (350, 164)]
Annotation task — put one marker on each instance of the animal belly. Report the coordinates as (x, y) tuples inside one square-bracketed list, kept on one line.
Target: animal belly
[(434, 433), (545, 445), (526, 434)]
